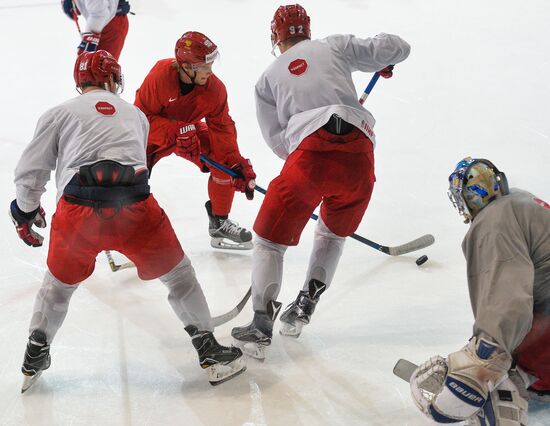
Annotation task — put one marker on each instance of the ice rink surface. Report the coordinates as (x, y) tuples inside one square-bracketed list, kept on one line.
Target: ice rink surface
[(476, 83)]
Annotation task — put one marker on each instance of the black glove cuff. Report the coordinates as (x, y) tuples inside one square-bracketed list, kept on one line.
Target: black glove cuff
[(20, 215)]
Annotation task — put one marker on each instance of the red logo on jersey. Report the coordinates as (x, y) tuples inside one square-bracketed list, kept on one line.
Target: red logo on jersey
[(298, 66), (542, 203), (365, 126), (105, 108)]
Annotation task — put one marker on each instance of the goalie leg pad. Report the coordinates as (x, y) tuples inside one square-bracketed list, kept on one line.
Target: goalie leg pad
[(504, 407)]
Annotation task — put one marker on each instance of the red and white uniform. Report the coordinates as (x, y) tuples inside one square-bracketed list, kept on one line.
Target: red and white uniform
[(101, 18), (295, 97), (76, 133), (160, 98), (300, 90), (94, 126)]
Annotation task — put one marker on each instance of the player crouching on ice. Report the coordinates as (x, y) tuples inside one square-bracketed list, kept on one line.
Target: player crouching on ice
[(177, 94), (309, 115), (507, 250), (96, 143)]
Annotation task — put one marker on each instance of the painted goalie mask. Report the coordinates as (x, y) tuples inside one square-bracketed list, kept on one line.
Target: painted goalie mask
[(474, 184)]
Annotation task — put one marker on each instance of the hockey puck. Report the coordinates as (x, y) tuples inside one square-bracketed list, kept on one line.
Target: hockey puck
[(421, 260)]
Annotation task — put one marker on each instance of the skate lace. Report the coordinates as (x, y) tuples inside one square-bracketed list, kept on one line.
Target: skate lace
[(230, 227)]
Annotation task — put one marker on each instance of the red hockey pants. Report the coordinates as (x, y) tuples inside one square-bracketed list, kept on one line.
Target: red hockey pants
[(141, 231), (533, 355), (113, 36), (336, 171)]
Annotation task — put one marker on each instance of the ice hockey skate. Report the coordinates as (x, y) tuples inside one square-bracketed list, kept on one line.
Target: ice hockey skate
[(255, 337), (227, 234), (37, 359), (299, 312), (222, 363)]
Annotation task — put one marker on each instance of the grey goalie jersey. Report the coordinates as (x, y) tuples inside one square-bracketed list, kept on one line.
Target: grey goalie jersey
[(507, 250)]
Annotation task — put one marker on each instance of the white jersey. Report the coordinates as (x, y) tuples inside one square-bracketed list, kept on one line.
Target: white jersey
[(308, 83), (98, 13), (97, 125)]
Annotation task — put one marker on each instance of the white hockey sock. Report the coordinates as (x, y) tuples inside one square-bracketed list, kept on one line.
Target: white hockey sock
[(186, 297), (51, 306), (267, 272), (326, 253)]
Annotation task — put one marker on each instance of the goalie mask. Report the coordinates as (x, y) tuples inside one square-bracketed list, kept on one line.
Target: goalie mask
[(474, 184)]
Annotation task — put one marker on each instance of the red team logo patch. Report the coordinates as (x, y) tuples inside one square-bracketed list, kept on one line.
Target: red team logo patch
[(105, 108), (298, 66)]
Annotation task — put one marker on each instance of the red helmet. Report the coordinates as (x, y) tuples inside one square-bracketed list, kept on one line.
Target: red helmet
[(195, 48), (95, 68), (289, 22)]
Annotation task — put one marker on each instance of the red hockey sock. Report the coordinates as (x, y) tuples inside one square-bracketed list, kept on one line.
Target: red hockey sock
[(221, 193)]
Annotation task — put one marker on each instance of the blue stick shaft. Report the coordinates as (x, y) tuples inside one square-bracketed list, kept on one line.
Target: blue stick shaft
[(369, 88)]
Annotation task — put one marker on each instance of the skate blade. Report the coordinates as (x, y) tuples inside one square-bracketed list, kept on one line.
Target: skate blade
[(253, 350), (225, 244), (28, 381), (291, 330), (220, 373)]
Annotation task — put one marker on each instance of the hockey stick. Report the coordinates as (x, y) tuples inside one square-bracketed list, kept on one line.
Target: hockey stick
[(222, 319), (219, 320), (75, 17), (404, 370), (114, 266), (369, 88), (417, 244)]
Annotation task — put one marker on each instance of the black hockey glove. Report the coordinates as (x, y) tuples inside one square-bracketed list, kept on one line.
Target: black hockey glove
[(123, 8), (69, 9)]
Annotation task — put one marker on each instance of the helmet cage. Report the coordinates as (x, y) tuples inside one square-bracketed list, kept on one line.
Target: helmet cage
[(474, 184)]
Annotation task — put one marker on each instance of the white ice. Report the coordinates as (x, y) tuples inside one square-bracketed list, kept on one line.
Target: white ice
[(476, 83)]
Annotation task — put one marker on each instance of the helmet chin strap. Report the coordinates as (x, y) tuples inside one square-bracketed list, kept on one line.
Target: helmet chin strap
[(192, 78)]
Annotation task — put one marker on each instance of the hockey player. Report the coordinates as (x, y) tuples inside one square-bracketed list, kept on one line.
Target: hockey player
[(507, 250), (176, 96), (309, 115), (96, 143), (106, 24)]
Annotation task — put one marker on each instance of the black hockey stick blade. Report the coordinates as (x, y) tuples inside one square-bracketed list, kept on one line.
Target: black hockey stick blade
[(222, 319), (404, 370)]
